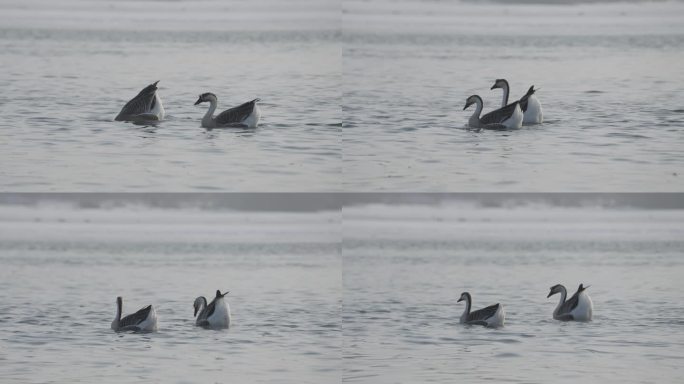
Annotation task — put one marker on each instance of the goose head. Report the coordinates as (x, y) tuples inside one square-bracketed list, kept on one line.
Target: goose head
[(555, 289), (219, 295), (205, 97), (474, 99), (464, 296), (500, 83)]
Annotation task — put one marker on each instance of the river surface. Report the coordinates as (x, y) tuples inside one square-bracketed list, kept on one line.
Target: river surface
[(62, 266), (68, 67), (608, 76), (405, 267)]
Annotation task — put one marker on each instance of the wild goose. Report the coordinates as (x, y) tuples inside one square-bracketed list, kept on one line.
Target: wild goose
[(492, 316), (509, 117), (579, 307), (145, 320), (530, 105), (245, 115), (214, 315), (146, 106)]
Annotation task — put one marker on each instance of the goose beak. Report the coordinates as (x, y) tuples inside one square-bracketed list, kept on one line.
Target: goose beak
[(550, 294), (459, 300), (198, 101), (467, 105), (493, 87)]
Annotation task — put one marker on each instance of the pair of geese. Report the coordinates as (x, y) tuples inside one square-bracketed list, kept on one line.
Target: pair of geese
[(526, 111), (578, 308), (214, 315), (147, 106)]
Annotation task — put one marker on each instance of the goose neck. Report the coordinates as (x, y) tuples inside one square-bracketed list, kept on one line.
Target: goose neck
[(563, 295), (209, 116), (506, 90)]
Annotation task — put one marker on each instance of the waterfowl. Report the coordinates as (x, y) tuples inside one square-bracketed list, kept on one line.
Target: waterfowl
[(146, 106), (245, 115), (145, 320), (492, 316), (214, 315), (530, 105), (509, 117), (579, 307)]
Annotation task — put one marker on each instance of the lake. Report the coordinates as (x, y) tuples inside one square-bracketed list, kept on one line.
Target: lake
[(65, 262), (406, 264), (608, 77), (68, 68)]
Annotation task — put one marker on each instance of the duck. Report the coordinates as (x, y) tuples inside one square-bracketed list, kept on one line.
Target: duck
[(529, 103), (508, 117), (244, 115), (214, 315), (493, 316), (578, 308), (145, 320), (146, 106)]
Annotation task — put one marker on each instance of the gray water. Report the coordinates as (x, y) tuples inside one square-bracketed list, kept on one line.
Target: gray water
[(69, 66), (405, 267), (62, 267), (609, 78)]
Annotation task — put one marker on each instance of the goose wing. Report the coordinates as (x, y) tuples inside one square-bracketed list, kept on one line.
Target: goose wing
[(479, 316), (569, 304), (134, 319), (525, 99), (237, 114), (142, 103), (500, 115)]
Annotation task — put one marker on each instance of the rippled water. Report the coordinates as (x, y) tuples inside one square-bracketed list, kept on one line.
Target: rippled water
[(608, 75), (62, 268), (405, 267), (69, 66)]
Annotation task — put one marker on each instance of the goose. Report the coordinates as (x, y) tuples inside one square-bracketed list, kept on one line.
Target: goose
[(214, 315), (579, 307), (244, 115), (145, 320), (146, 106), (492, 316), (530, 105), (508, 117)]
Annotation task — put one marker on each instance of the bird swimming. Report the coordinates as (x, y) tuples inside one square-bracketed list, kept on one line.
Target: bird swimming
[(492, 316), (146, 106), (214, 315), (244, 115), (579, 307), (530, 105), (145, 320), (508, 117)]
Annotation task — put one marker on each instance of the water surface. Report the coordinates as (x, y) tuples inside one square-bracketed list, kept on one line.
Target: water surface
[(63, 266), (608, 75), (69, 67), (406, 265)]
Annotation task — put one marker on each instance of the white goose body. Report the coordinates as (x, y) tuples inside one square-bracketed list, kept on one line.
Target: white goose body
[(214, 315), (144, 320), (145, 106), (493, 316), (530, 105), (578, 308), (244, 115)]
